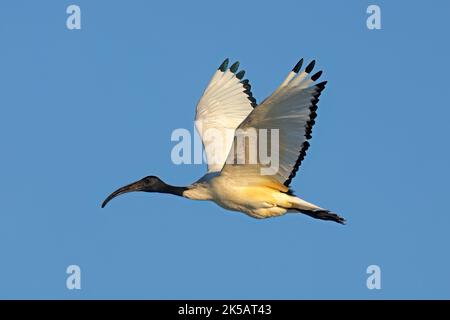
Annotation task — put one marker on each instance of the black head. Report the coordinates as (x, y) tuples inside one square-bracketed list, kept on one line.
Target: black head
[(151, 184), (147, 184)]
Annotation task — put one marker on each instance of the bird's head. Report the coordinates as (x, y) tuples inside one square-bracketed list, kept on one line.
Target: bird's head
[(147, 184)]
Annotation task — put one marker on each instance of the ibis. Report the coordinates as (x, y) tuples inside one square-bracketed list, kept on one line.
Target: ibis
[(227, 105)]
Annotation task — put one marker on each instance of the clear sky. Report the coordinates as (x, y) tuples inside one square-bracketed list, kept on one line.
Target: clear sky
[(83, 112)]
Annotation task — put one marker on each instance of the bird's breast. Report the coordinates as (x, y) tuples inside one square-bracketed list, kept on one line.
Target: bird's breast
[(235, 195)]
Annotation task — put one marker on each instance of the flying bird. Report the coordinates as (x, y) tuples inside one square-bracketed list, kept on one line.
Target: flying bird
[(228, 106)]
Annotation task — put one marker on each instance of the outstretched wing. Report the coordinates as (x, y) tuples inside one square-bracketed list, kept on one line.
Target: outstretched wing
[(291, 109), (226, 102)]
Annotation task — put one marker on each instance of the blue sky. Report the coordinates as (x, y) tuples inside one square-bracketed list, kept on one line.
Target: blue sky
[(83, 112)]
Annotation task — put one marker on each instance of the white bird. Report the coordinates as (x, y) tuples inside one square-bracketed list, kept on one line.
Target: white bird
[(228, 106)]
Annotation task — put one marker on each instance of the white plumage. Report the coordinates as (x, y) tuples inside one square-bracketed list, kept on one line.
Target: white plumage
[(223, 106)]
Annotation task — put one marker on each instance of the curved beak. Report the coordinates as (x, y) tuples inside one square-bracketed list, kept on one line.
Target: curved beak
[(135, 186)]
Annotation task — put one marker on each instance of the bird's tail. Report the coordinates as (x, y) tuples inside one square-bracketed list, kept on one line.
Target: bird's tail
[(323, 214)]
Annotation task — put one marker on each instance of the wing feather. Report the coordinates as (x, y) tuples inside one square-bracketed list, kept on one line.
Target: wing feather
[(292, 110), (225, 103)]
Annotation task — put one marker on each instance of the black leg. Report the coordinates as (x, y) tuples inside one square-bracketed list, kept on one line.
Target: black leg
[(324, 215)]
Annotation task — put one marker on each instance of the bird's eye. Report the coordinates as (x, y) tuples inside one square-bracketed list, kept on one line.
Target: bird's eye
[(147, 181)]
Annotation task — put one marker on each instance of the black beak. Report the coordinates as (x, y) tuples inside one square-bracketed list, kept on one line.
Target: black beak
[(135, 186)]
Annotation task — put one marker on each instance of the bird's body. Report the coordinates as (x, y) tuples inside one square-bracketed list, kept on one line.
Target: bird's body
[(235, 130), (259, 198)]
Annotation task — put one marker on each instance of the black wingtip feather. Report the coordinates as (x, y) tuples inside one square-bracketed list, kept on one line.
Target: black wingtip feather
[(310, 66), (234, 67), (316, 75), (322, 84), (240, 74), (224, 65), (248, 92), (297, 67)]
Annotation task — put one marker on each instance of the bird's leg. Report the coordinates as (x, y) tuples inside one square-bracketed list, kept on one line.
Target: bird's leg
[(323, 215)]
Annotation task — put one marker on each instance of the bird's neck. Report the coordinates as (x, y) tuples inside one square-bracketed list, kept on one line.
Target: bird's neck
[(167, 188)]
